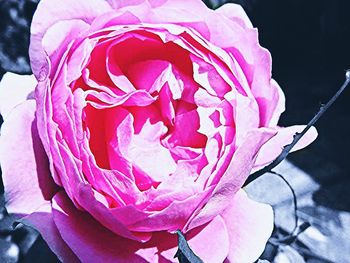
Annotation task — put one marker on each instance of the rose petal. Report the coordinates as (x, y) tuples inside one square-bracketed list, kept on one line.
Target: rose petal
[(24, 164), (233, 178), (58, 37), (174, 216), (14, 89), (42, 221), (84, 235), (236, 13), (48, 13), (211, 242), (274, 147), (249, 226), (164, 10)]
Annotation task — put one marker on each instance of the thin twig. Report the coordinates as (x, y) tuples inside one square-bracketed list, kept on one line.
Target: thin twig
[(298, 136), (296, 219)]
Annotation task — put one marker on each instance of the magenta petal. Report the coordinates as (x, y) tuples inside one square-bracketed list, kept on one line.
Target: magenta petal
[(49, 12), (14, 89), (274, 147), (89, 240), (24, 164), (249, 226), (43, 222)]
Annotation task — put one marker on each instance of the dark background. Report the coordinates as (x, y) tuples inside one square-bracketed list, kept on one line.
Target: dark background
[(310, 45)]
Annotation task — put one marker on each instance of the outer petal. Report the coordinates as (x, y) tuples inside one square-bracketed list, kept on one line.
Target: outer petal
[(236, 13), (14, 89), (274, 147), (90, 241), (190, 13), (23, 161), (211, 242), (249, 225), (170, 5), (93, 243), (42, 221), (234, 177), (50, 12)]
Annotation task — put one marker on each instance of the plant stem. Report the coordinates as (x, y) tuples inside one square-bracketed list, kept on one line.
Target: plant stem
[(298, 136)]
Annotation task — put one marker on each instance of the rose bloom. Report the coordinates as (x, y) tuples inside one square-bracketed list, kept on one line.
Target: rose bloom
[(147, 117)]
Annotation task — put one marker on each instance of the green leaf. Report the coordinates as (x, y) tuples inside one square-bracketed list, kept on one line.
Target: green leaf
[(184, 252)]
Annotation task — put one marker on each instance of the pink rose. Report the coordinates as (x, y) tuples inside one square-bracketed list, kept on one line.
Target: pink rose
[(148, 116)]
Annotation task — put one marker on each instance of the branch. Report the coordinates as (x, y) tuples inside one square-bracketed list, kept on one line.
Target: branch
[(298, 136)]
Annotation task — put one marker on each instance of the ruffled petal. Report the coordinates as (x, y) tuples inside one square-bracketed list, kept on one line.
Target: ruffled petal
[(84, 235)]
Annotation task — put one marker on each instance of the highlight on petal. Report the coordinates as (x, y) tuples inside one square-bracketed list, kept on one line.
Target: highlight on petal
[(249, 225), (236, 13), (15, 89), (24, 164)]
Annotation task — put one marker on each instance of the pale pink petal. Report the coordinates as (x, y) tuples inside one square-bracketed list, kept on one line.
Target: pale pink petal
[(277, 102), (284, 136), (249, 225), (246, 114), (42, 221), (24, 164), (14, 89), (211, 242), (233, 178), (58, 37), (116, 4), (165, 10), (236, 13), (49, 12)]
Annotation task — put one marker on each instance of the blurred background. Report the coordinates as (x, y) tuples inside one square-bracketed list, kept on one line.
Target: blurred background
[(310, 46)]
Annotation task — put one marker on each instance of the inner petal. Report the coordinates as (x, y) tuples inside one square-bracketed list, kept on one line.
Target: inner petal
[(145, 149), (185, 130)]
